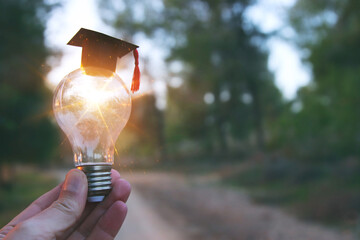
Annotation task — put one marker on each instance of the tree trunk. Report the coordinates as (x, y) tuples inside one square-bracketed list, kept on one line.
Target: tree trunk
[(219, 126), (161, 135), (257, 114), (6, 176)]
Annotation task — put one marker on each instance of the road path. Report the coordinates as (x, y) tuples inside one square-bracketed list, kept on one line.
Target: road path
[(143, 222), (169, 206)]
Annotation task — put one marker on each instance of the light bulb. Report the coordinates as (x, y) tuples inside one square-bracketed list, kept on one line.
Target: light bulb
[(92, 106)]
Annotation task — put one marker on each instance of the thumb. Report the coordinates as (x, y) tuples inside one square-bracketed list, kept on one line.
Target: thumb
[(64, 212)]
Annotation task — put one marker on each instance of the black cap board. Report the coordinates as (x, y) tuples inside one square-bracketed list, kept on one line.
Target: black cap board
[(100, 50)]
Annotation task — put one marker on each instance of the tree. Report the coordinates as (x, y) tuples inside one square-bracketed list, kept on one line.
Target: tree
[(27, 135), (330, 115), (217, 48)]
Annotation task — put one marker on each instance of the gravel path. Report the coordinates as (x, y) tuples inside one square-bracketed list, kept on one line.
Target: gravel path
[(164, 206)]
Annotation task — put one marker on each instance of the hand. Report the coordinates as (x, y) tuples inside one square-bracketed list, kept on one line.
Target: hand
[(63, 212)]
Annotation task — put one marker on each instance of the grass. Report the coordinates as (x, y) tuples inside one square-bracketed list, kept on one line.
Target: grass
[(330, 195), (25, 188)]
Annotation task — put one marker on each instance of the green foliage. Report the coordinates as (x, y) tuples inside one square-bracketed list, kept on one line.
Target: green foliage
[(313, 191), (326, 126), (25, 129), (219, 52), (141, 137)]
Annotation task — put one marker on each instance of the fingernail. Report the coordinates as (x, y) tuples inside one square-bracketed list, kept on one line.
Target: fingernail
[(73, 181)]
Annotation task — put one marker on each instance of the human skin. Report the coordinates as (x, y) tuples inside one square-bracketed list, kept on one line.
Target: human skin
[(63, 212)]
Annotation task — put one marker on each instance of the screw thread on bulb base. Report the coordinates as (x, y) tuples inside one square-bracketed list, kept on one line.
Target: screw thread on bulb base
[(99, 181)]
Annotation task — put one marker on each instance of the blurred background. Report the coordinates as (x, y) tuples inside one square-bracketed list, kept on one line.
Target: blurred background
[(246, 126)]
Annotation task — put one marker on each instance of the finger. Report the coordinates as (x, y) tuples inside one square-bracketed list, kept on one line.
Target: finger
[(121, 191), (114, 175), (89, 205), (37, 206), (60, 215), (109, 224), (88, 209), (64, 212)]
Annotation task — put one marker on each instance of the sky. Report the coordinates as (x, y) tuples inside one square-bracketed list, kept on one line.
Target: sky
[(61, 27), (284, 59)]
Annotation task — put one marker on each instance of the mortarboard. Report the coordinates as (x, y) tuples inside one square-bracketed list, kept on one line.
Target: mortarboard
[(101, 51)]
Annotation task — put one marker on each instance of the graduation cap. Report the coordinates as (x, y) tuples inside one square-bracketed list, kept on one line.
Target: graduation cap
[(102, 51)]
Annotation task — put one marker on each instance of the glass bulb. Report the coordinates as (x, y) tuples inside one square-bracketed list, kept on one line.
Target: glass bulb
[(92, 106)]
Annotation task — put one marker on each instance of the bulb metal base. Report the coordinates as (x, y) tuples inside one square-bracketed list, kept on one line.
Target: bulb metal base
[(99, 181)]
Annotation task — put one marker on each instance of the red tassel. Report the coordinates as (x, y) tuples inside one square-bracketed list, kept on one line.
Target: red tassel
[(136, 76)]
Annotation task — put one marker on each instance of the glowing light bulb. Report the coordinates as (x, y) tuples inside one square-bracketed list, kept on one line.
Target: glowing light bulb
[(92, 109)]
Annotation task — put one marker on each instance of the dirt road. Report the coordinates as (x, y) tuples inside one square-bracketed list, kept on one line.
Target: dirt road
[(164, 206), (144, 222)]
